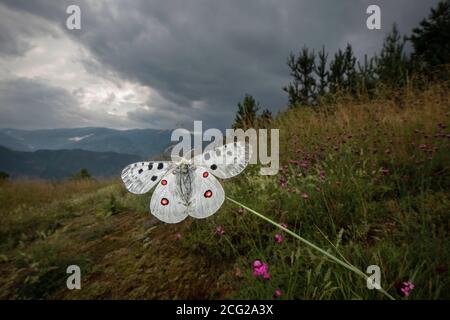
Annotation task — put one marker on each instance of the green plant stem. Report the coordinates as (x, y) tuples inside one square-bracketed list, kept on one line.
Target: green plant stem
[(312, 245)]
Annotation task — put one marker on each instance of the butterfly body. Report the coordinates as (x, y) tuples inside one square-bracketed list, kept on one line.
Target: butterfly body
[(184, 173), (186, 187)]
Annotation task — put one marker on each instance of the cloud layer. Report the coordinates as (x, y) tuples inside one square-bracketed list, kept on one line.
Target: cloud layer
[(163, 64)]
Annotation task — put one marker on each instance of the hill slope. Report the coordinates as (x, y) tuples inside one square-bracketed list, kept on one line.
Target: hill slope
[(366, 180)]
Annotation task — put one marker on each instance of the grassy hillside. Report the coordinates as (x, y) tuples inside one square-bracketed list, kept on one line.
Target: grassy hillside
[(370, 178)]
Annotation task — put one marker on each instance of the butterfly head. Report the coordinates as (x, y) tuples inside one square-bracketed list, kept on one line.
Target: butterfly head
[(184, 161)]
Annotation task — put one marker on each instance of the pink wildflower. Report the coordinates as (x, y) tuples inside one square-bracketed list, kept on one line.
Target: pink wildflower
[(219, 230), (261, 269), (322, 174), (303, 165), (277, 293), (278, 238), (283, 182), (257, 263), (178, 235), (405, 288)]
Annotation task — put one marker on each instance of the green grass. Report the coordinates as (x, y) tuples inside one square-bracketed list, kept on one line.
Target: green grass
[(368, 181)]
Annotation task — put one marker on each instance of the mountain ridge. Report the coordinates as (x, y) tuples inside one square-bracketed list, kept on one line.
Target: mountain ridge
[(57, 164), (143, 142)]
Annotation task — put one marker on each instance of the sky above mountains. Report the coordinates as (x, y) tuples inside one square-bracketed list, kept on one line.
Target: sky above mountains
[(163, 64)]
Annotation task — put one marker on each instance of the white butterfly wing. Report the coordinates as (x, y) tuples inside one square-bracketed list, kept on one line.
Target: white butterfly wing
[(166, 203), (140, 177), (207, 194), (227, 160)]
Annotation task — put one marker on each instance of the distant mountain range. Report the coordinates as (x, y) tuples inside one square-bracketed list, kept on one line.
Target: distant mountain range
[(55, 164), (59, 153), (146, 143)]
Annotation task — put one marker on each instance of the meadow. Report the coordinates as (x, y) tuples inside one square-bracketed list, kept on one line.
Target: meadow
[(366, 179)]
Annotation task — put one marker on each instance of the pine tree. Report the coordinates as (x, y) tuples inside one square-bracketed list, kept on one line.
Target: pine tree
[(337, 72), (265, 118), (322, 73), (301, 89), (366, 75), (82, 174), (246, 116), (350, 81), (392, 65), (431, 40)]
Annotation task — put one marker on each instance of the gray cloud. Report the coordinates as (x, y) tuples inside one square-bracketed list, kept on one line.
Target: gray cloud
[(31, 104), (211, 53)]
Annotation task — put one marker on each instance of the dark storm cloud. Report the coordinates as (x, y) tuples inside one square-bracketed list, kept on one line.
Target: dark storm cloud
[(213, 52)]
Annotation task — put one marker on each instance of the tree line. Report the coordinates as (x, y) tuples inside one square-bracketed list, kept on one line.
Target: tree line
[(318, 77)]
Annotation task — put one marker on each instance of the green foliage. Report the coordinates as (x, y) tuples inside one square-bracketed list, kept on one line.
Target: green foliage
[(82, 174), (337, 72), (350, 71), (247, 114), (343, 74), (367, 79), (361, 176), (431, 40), (265, 119), (322, 73), (3, 176), (316, 82), (392, 65), (302, 89)]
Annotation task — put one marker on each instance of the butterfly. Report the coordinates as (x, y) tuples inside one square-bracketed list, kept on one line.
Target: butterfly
[(187, 187)]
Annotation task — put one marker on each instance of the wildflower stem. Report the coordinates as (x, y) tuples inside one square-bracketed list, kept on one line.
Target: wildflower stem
[(312, 245)]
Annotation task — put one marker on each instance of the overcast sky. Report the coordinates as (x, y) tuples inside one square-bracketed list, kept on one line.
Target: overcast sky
[(163, 64)]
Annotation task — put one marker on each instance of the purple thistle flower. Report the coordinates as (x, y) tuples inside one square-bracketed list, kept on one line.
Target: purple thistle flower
[(277, 293), (261, 269), (219, 230), (278, 238)]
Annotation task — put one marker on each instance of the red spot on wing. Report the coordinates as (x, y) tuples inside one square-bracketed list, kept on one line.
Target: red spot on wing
[(164, 201), (208, 194), (163, 182), (205, 174)]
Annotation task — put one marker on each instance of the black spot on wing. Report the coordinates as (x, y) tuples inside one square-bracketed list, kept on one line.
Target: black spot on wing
[(213, 167), (140, 171), (153, 178), (150, 166), (160, 166)]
